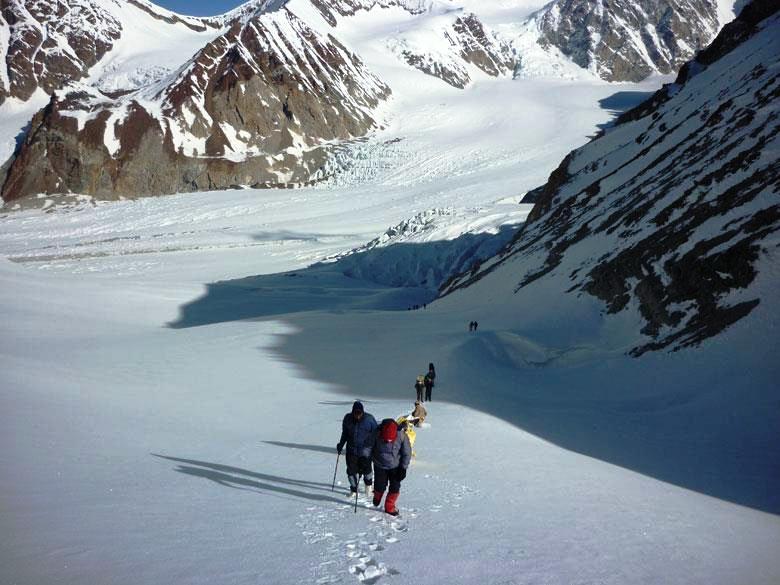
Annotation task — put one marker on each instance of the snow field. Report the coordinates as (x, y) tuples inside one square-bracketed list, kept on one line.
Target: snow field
[(139, 453), (159, 425)]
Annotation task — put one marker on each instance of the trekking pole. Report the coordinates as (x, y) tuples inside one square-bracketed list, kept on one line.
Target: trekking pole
[(356, 492), (333, 488)]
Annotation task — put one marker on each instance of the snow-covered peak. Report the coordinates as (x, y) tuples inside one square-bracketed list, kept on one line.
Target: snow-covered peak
[(255, 106)]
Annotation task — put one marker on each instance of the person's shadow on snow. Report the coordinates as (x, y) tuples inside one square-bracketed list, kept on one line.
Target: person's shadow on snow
[(243, 479), (303, 447)]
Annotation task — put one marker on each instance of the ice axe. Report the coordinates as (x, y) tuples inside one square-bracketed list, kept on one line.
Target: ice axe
[(356, 491), (333, 487)]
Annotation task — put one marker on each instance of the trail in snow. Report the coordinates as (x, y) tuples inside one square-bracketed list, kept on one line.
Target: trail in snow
[(354, 543)]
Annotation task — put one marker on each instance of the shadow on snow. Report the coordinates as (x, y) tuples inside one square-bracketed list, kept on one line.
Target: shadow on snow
[(317, 448), (390, 278), (244, 479), (703, 432), (620, 102)]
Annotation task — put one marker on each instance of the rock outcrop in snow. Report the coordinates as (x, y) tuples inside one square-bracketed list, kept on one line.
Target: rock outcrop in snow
[(624, 40), (464, 41), (49, 43), (252, 108), (671, 213)]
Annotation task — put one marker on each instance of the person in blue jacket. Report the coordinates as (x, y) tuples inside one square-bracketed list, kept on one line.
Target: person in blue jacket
[(357, 433)]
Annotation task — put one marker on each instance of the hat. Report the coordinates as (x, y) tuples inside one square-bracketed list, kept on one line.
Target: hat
[(417, 402), (357, 407), (389, 431)]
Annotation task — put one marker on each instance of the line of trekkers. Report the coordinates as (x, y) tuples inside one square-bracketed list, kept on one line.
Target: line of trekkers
[(381, 453)]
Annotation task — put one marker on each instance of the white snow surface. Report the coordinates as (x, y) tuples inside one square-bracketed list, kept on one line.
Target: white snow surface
[(167, 418)]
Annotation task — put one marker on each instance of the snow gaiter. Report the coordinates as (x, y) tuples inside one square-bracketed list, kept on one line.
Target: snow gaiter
[(378, 498), (390, 501)]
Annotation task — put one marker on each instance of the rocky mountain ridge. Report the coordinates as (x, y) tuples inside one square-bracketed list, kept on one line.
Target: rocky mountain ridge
[(258, 104), (669, 215), (622, 40), (201, 128), (50, 44)]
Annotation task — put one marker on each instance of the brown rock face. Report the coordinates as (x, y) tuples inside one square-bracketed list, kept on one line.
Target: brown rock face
[(670, 212), (479, 48), (625, 40), (52, 43), (255, 107), (471, 44)]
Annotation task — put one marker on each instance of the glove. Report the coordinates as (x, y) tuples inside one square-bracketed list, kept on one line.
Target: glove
[(339, 447), (400, 473)]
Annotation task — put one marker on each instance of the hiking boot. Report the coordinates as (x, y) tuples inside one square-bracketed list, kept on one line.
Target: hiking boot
[(390, 501)]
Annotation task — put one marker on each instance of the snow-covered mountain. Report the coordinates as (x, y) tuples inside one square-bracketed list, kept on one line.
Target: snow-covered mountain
[(451, 45), (625, 40), (667, 219), (250, 108), (150, 102), (47, 44)]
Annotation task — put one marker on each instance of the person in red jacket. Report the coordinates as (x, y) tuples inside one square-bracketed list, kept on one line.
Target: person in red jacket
[(391, 454)]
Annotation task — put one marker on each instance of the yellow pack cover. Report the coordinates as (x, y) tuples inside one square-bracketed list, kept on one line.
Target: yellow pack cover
[(410, 432)]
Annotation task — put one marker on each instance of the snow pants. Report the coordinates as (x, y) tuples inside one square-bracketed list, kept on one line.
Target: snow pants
[(383, 476), (358, 466), (428, 389)]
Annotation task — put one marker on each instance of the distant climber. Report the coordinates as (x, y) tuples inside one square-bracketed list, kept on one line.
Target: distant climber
[(428, 381), (392, 454), (358, 430), (418, 414), (419, 386)]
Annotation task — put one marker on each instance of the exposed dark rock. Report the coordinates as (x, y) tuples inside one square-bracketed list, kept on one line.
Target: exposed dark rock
[(472, 43), (51, 43), (624, 40), (481, 49)]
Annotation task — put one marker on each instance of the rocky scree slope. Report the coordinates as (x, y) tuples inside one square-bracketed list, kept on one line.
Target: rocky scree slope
[(202, 127), (672, 212)]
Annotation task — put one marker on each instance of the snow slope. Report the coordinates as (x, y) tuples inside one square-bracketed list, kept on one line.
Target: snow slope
[(165, 418), (139, 453), (140, 449)]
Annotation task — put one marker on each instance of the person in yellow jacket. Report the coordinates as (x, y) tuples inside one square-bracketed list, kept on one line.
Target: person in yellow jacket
[(404, 424)]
